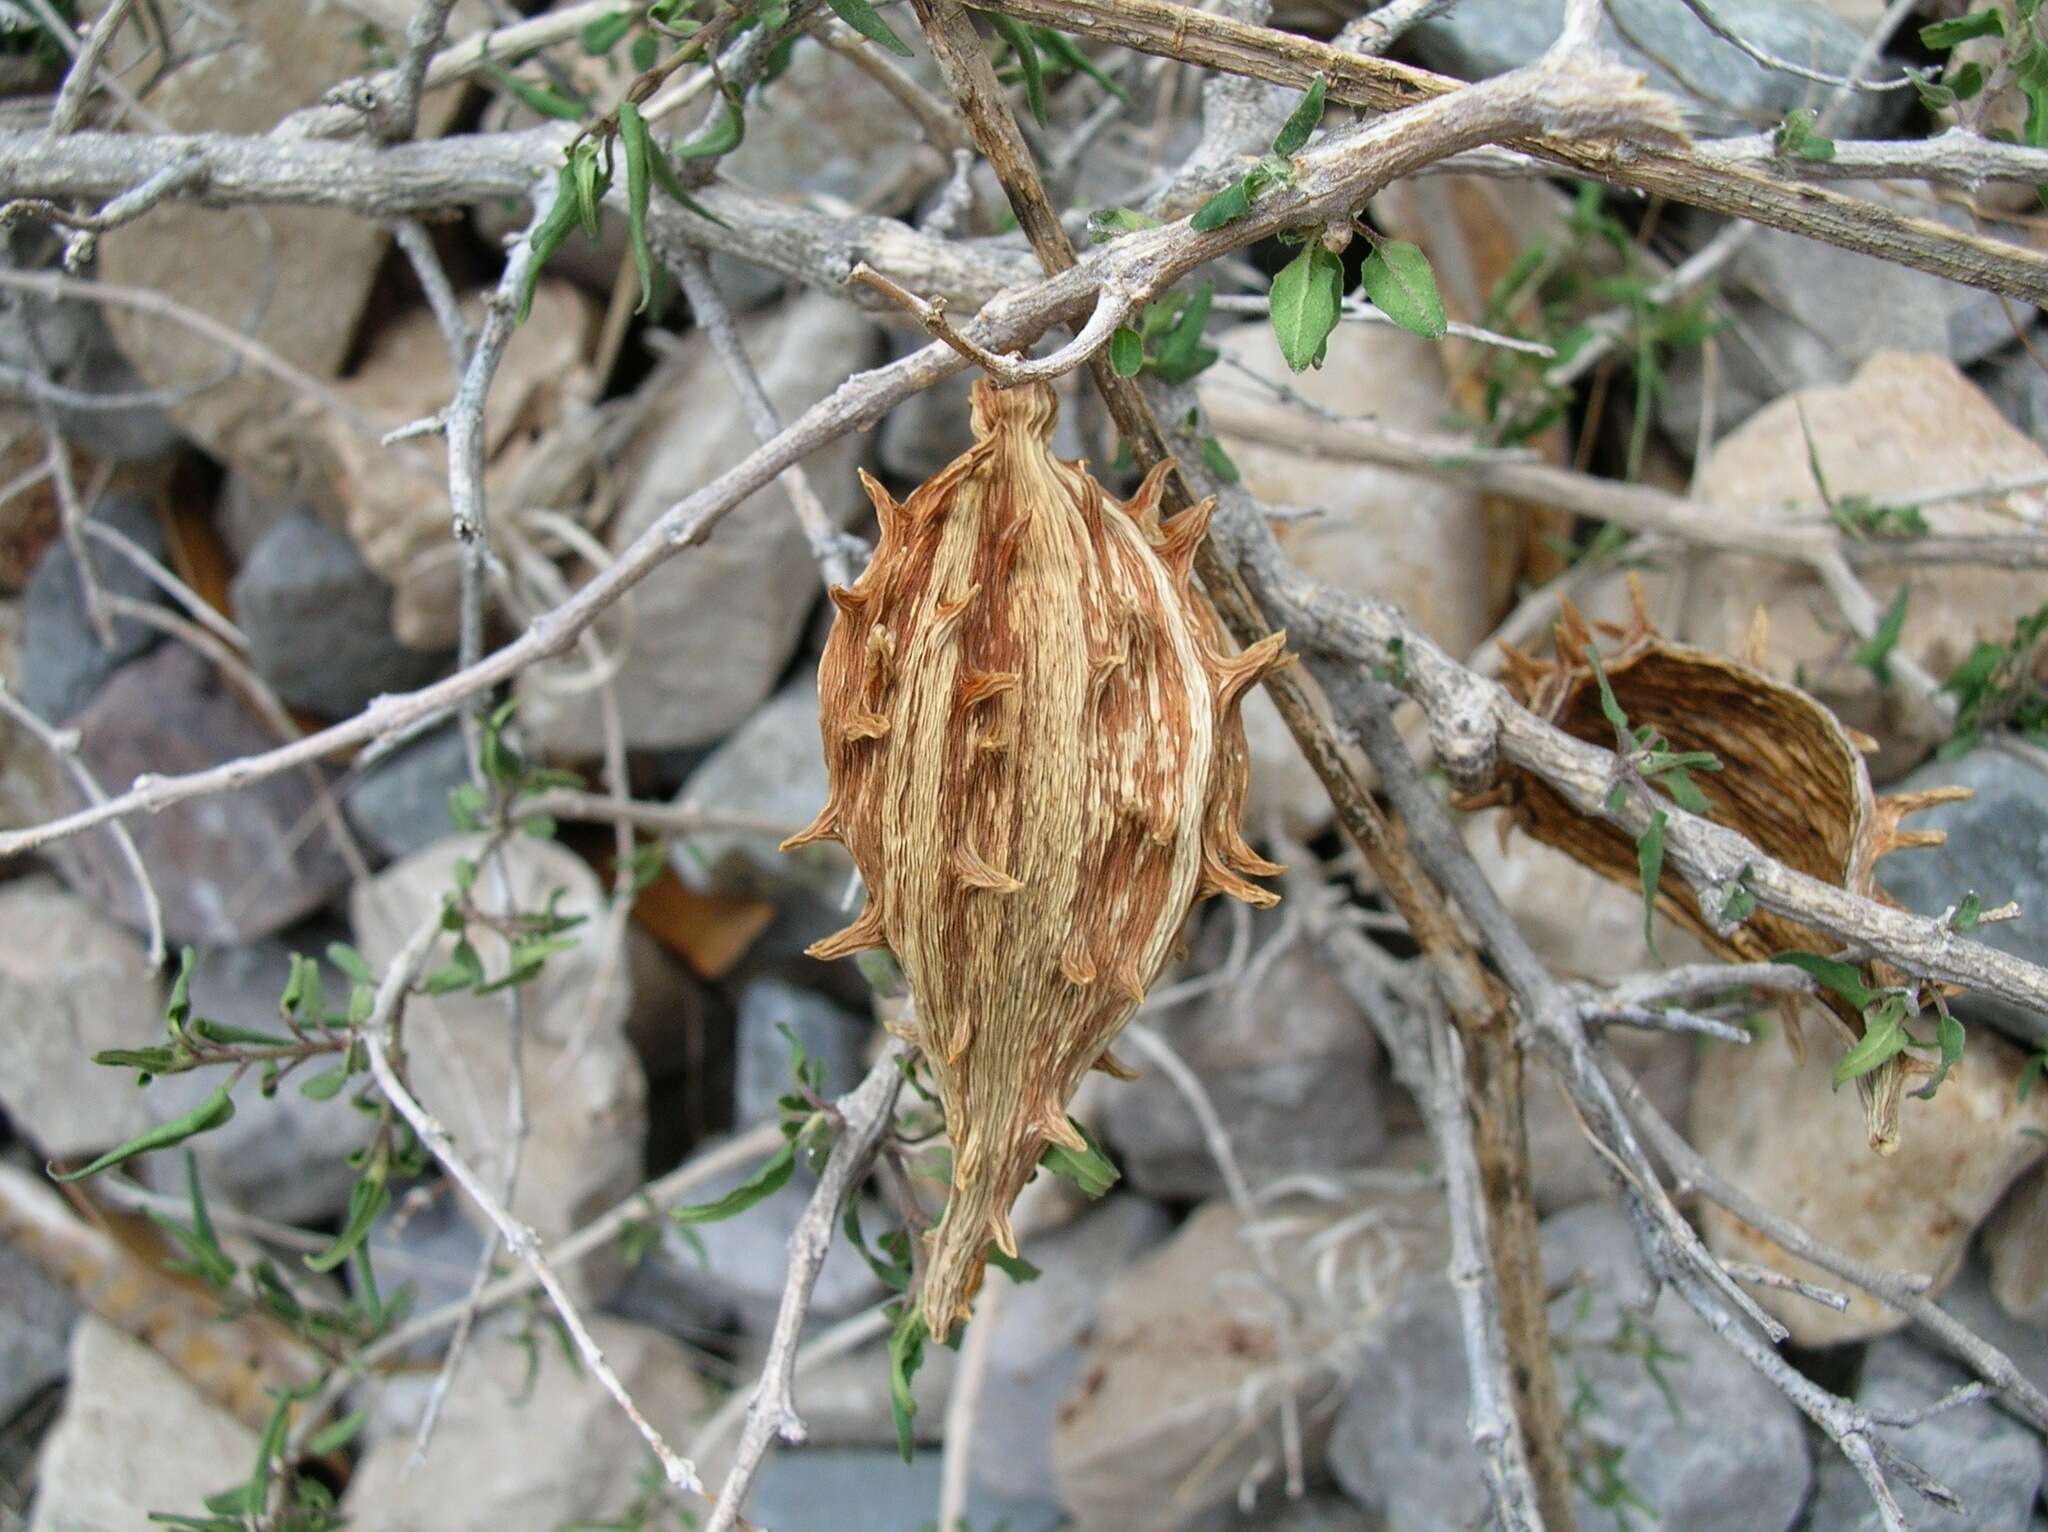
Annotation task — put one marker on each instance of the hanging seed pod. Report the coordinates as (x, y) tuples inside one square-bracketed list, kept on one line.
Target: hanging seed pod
[(1792, 780), (1031, 727)]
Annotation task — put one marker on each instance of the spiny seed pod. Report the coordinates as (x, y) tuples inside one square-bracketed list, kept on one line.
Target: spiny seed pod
[(1793, 781), (1030, 721)]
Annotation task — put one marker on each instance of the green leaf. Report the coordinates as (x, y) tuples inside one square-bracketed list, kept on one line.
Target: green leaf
[(337, 1436), (1108, 223), (326, 1085), (350, 962), (1012, 32), (773, 1175), (1943, 35), (722, 137), (1948, 1037), (1684, 792), (463, 970), (205, 1257), (1967, 914), (1875, 653), (891, 1273), (1845, 979), (1306, 299), (1884, 1037), (1090, 1169), (228, 1033), (1796, 137), (1397, 277), (604, 34), (1015, 1267), (1302, 121), (1126, 352), (1218, 460), (639, 186), (367, 1201), (644, 52), (906, 1355), (1741, 901), (1223, 209), (546, 102), (861, 16), (1650, 866), (1180, 354), (211, 1113), (665, 175)]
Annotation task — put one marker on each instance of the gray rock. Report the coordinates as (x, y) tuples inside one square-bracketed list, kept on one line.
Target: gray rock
[(1321, 1510), (319, 622), (772, 769), (1401, 1444), (1998, 849), (1991, 1461), (827, 1034), (284, 1157), (36, 1316), (71, 983), (1805, 313), (227, 871), (1288, 1061), (2014, 382), (134, 1437), (586, 1099), (62, 664), (537, 1449), (734, 1270), (712, 634), (1725, 89), (401, 804), (846, 1490), (1035, 1355), (1184, 1335), (1972, 1301)]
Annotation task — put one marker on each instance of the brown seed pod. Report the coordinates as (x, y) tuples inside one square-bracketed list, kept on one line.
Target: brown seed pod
[(1792, 780), (1030, 721)]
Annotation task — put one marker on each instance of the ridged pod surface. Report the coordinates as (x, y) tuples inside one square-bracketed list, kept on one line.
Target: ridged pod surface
[(1792, 780), (1030, 721)]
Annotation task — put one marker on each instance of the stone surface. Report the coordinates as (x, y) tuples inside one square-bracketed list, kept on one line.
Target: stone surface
[(1971, 1300), (874, 1491), (71, 982), (1402, 1446), (1904, 423), (285, 1157), (400, 805), (134, 1437), (1036, 1354), (1991, 1461), (227, 869), (319, 622), (1805, 313), (762, 1067), (538, 438), (714, 628), (771, 769), (1182, 1334), (586, 1098), (2016, 1247), (1772, 1126), (543, 1450), (63, 664), (1725, 90), (1286, 1058), (1413, 539), (36, 1316), (293, 279), (1997, 848)]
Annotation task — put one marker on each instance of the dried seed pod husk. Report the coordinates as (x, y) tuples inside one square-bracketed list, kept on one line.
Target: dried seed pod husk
[(1793, 781), (1030, 722)]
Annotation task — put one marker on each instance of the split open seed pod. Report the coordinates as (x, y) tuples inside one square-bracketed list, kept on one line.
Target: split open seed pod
[(1792, 780), (1030, 722)]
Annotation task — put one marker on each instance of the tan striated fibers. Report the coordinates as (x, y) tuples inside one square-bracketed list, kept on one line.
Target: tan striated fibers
[(1030, 720), (1793, 781)]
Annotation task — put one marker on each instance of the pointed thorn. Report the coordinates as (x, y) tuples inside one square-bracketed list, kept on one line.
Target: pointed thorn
[(1143, 506), (1115, 1067), (865, 932), (980, 685), (824, 827), (1002, 1234), (1756, 644), (887, 511), (1184, 536), (971, 870), (1075, 965), (1055, 1127), (1237, 675), (849, 600)]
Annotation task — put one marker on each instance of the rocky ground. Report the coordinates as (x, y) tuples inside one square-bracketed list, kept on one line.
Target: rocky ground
[(1138, 1381)]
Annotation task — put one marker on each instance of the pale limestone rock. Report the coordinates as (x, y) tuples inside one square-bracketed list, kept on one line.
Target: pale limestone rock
[(1774, 1127)]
